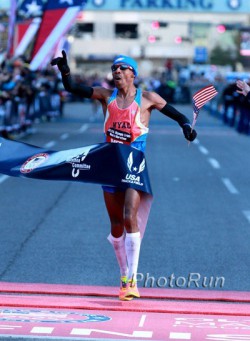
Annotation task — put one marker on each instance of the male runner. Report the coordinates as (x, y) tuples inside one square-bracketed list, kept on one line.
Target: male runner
[(127, 112)]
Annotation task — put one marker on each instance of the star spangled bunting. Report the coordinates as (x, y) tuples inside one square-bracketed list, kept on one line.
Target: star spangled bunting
[(31, 9), (29, 14), (26, 32), (200, 98), (58, 17)]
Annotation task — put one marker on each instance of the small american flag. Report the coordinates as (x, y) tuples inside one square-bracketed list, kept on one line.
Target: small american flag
[(200, 98)]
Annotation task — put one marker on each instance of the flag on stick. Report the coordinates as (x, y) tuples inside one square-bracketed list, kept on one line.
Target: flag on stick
[(200, 98)]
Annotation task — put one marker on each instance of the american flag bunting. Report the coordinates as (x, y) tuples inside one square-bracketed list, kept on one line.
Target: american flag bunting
[(58, 17)]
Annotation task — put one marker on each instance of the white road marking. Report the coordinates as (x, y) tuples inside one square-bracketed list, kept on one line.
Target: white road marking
[(196, 141), (225, 337), (180, 336), (50, 144), (231, 188), (83, 331), (3, 326), (142, 321), (3, 178), (42, 330), (64, 136), (247, 215), (80, 331), (214, 163), (203, 150), (83, 128), (140, 333)]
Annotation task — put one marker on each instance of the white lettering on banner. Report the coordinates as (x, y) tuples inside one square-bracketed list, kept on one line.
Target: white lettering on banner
[(132, 179), (77, 164), (77, 167), (81, 166), (75, 173)]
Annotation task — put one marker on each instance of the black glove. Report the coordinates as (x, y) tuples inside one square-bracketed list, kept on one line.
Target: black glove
[(189, 133), (61, 63)]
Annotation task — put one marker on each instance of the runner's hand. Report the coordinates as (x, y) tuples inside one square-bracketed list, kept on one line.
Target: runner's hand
[(189, 133), (61, 63)]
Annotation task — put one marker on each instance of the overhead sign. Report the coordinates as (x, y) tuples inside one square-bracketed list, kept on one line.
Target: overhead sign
[(200, 54), (222, 6), (245, 42)]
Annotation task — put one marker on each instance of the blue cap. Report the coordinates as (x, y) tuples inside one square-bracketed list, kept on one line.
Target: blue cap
[(121, 59)]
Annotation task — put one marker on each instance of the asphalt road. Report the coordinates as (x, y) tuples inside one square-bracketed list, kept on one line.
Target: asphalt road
[(199, 227)]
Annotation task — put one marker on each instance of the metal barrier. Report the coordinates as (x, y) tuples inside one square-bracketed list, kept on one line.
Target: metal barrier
[(17, 114)]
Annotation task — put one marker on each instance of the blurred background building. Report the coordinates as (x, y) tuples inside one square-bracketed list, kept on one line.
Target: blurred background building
[(158, 33), (188, 34), (162, 33)]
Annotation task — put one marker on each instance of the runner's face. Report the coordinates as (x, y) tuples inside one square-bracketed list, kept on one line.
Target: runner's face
[(122, 74)]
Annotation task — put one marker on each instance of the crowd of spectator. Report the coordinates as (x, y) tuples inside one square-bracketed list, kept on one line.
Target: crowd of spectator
[(26, 96), (235, 109)]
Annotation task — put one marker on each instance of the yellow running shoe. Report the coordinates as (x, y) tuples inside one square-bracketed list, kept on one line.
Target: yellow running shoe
[(132, 290), (123, 289)]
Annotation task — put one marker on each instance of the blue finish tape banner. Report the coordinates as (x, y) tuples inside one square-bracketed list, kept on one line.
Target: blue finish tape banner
[(111, 164)]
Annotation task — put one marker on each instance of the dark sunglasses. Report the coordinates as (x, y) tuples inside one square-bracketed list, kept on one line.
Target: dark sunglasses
[(121, 66)]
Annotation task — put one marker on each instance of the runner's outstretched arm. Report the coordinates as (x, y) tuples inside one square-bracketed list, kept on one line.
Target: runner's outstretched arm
[(78, 89), (189, 133), (168, 110)]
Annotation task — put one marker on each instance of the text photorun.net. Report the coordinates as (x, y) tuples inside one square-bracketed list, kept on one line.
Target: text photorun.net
[(192, 280)]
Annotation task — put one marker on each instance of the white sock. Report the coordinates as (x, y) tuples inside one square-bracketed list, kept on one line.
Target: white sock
[(132, 246), (120, 252)]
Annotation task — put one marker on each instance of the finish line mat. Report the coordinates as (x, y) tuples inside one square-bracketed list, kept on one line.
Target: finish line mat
[(74, 312)]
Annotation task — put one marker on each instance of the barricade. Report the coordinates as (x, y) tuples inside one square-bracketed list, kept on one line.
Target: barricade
[(17, 114)]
